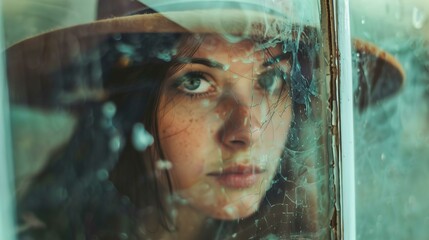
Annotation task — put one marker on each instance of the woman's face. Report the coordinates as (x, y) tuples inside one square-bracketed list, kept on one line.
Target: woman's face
[(223, 122)]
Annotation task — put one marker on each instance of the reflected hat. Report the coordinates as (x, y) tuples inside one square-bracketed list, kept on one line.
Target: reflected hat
[(31, 61)]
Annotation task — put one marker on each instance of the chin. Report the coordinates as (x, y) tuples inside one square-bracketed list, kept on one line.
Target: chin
[(224, 204), (243, 208)]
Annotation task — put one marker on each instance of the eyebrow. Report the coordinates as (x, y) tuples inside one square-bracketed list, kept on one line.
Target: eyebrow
[(214, 64), (203, 61), (278, 58)]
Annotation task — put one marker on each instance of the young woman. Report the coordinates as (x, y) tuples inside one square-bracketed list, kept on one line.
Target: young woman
[(192, 131), (220, 124)]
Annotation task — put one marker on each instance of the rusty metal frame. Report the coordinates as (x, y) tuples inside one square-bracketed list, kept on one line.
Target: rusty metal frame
[(336, 31), (330, 51)]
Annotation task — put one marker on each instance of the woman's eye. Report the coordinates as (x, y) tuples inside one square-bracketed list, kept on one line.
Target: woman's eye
[(272, 80), (194, 83)]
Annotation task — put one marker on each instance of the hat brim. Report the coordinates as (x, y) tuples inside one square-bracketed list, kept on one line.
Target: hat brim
[(29, 61), (379, 74)]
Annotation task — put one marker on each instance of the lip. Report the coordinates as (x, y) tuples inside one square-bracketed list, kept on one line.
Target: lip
[(238, 176)]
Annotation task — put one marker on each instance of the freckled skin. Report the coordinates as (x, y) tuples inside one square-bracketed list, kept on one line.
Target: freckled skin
[(207, 134)]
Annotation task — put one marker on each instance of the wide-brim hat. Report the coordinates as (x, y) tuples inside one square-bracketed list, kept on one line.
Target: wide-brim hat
[(31, 62)]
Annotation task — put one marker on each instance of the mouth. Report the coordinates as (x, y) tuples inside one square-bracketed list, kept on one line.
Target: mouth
[(238, 176)]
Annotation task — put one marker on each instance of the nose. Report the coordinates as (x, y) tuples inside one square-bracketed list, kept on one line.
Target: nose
[(242, 125)]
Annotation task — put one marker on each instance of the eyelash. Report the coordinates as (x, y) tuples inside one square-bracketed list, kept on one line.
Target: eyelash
[(197, 74), (196, 95)]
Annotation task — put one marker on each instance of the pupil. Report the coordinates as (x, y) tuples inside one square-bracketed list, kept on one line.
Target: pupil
[(192, 84), (267, 80)]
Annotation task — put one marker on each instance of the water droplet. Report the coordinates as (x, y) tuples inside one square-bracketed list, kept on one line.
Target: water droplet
[(109, 109), (164, 165), (205, 187), (174, 213), (123, 236), (115, 143), (205, 103), (165, 56), (232, 38), (383, 156), (248, 60), (363, 21), (419, 18), (225, 67), (141, 138), (264, 159), (271, 237), (231, 211), (125, 48), (102, 174), (117, 36)]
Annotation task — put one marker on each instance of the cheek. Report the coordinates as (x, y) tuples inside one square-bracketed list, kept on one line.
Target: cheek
[(273, 139), (185, 140), (276, 129)]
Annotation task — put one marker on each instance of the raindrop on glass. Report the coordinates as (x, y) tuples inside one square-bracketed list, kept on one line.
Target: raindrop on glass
[(419, 18), (125, 48), (163, 165), (109, 109), (205, 103), (271, 237), (230, 210), (123, 236), (141, 138), (102, 174), (165, 56), (232, 38), (115, 143), (174, 213), (117, 37)]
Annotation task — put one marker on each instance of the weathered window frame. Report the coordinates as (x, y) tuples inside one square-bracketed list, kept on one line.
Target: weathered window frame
[(336, 25)]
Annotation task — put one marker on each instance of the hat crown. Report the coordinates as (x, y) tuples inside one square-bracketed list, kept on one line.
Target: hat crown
[(114, 8)]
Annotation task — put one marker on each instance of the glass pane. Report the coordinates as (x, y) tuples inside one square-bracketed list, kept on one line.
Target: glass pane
[(171, 120), (392, 134)]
